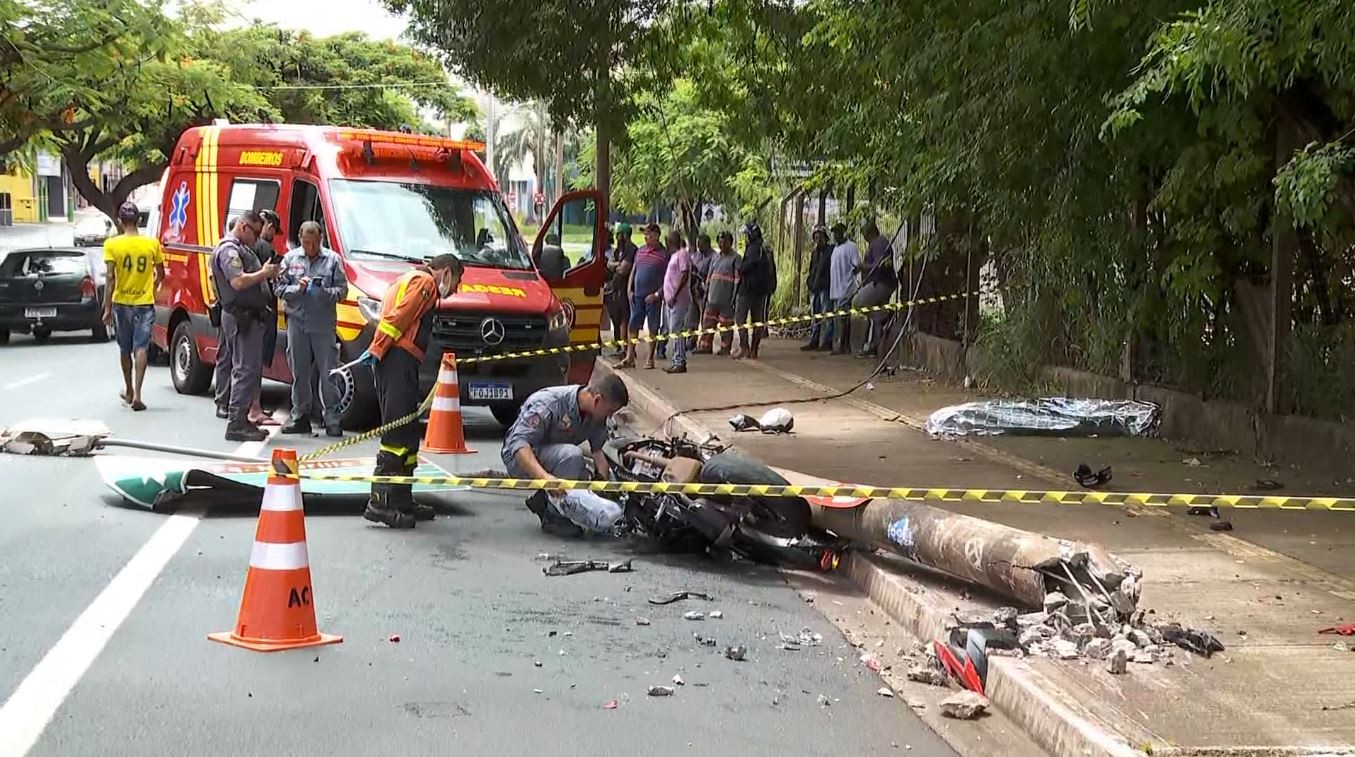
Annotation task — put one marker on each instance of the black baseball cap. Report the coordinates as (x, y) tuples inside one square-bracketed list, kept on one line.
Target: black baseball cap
[(269, 216), (128, 211)]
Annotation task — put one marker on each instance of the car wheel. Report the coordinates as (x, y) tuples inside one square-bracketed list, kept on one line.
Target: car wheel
[(357, 405), (190, 374), (42, 334), (506, 414), (100, 334)]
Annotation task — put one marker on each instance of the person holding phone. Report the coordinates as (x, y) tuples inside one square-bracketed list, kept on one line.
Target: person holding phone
[(311, 285)]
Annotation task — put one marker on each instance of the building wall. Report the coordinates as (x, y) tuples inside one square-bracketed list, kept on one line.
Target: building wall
[(23, 199)]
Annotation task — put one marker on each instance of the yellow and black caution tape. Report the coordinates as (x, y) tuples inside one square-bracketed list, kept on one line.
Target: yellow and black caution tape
[(854, 491), (374, 433), (786, 321), (590, 346)]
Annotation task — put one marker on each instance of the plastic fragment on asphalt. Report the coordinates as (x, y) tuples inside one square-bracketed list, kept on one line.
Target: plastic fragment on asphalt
[(736, 653), (661, 691), (885, 691), (642, 621), (610, 705), (716, 615), (693, 615), (394, 638), (677, 680)]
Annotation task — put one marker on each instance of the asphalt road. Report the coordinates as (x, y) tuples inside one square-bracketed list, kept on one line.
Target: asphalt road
[(104, 611)]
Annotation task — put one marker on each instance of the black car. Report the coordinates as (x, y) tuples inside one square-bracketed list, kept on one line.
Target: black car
[(49, 289)]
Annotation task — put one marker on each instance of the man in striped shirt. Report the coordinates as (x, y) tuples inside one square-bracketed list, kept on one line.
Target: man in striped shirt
[(646, 293)]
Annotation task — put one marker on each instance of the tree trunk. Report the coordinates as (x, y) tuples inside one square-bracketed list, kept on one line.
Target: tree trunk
[(1283, 251), (78, 164)]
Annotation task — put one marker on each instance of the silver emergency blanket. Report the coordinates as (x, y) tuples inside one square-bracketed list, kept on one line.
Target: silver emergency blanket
[(587, 510), (1048, 416)]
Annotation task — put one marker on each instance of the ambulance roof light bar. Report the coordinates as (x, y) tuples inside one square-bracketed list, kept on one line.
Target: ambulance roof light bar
[(377, 137)]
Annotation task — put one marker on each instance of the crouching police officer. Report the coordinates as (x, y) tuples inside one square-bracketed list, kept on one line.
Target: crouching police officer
[(544, 441), (395, 356)]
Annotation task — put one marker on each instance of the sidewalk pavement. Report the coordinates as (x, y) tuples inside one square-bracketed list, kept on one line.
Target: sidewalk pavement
[(1264, 590)]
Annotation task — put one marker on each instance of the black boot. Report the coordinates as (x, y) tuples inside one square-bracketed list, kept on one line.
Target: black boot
[(390, 504), (555, 525), (420, 510)]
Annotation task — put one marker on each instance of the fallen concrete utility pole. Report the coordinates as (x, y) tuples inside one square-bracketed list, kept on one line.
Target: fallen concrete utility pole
[(78, 438), (1087, 582)]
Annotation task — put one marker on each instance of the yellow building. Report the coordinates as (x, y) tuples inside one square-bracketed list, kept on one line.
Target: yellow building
[(18, 195)]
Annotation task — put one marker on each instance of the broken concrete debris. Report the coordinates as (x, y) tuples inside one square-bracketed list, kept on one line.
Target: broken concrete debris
[(964, 705), (705, 641), (1118, 662), (805, 638), (661, 691), (885, 691), (930, 675), (693, 615), (736, 653)]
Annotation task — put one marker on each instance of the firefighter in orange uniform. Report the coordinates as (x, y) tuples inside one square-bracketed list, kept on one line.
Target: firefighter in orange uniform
[(395, 355)]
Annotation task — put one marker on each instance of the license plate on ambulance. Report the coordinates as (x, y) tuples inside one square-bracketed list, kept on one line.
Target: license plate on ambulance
[(39, 312), (491, 392)]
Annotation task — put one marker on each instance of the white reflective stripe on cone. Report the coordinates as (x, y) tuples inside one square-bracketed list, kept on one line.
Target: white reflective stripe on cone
[(446, 377), (269, 556), (447, 403), (281, 497)]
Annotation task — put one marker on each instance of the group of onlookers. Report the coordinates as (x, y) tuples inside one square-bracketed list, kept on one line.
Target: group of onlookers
[(684, 294), (687, 295)]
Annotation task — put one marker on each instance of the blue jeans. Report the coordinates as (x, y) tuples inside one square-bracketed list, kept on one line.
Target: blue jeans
[(823, 327), (133, 326), (676, 313)]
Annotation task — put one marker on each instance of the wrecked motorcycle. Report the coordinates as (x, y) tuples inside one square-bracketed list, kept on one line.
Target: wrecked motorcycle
[(766, 529)]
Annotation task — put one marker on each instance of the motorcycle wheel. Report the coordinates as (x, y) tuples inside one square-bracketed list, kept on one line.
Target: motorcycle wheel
[(785, 517)]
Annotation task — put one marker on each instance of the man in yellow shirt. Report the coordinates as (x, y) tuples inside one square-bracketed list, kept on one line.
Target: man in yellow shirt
[(136, 267)]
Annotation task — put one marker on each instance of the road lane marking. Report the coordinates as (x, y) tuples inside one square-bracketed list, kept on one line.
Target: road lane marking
[(35, 378), (25, 715)]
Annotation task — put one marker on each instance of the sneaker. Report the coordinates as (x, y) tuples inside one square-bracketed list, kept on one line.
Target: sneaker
[(223, 413), (332, 430), (675, 369), (537, 503), (246, 434), (297, 426)]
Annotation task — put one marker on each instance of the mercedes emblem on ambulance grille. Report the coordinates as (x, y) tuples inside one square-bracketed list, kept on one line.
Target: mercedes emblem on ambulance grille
[(491, 330)]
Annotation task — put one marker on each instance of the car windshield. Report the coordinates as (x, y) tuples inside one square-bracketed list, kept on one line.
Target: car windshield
[(45, 263), (393, 220)]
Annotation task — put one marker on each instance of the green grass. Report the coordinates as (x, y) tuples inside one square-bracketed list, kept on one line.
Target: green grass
[(573, 235)]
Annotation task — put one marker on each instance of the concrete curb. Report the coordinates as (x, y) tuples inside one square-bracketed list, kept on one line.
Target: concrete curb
[(1055, 722)]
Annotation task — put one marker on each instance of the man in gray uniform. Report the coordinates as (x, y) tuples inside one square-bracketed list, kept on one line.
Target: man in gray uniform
[(544, 441), (242, 287), (311, 285)]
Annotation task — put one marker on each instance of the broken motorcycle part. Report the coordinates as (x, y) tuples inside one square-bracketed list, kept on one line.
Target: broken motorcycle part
[(573, 567), (1050, 416)]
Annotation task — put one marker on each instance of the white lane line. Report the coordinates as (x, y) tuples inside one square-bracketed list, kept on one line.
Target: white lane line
[(35, 378), (27, 712)]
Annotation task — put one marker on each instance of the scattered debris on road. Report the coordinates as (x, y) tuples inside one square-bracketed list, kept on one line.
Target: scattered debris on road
[(611, 704), (678, 596), (642, 621), (885, 691), (929, 675), (677, 680), (705, 641), (574, 567), (806, 638), (736, 653), (661, 691), (693, 615), (394, 638), (716, 615), (1088, 480), (964, 705)]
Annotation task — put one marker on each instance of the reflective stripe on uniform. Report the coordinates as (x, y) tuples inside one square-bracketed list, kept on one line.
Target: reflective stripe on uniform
[(388, 328)]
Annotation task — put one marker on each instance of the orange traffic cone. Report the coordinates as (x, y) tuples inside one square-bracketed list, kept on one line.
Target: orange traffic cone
[(278, 610), (445, 435)]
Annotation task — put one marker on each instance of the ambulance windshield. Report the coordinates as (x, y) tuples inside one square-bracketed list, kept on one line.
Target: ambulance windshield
[(387, 219)]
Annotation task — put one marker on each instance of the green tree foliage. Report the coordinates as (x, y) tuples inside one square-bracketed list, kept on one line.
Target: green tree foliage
[(55, 56), (568, 55)]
